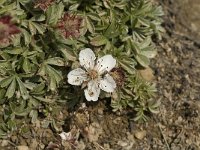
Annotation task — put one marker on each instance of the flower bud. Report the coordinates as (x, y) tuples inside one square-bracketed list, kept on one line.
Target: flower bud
[(69, 25), (118, 75)]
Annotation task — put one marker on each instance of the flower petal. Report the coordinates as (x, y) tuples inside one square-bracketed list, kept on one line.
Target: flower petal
[(92, 92), (66, 136), (105, 63), (77, 76), (107, 83), (86, 58)]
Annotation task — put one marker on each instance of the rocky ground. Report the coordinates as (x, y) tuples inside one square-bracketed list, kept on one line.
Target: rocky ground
[(177, 75)]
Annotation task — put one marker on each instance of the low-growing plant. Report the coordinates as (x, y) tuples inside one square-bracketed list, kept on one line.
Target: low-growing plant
[(43, 41)]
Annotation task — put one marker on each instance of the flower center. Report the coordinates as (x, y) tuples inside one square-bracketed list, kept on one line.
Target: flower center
[(93, 74)]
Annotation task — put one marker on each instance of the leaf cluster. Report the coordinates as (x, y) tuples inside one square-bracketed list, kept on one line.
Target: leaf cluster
[(137, 94)]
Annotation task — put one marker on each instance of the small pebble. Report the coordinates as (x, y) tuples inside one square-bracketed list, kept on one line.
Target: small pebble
[(22, 147), (4, 143), (100, 111), (140, 134)]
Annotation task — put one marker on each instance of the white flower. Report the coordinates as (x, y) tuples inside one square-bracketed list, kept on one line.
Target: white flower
[(66, 136), (94, 74)]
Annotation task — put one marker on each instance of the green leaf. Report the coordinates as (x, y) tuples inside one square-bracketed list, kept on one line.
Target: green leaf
[(98, 40), (153, 106), (2, 2), (52, 84), (53, 13), (24, 2), (39, 89), (38, 18), (11, 89), (44, 99), (60, 9), (23, 90), (45, 123), (74, 7), (15, 51), (53, 72), (140, 116), (26, 65), (8, 8), (42, 70), (40, 28), (54, 126), (19, 110), (12, 125), (57, 61), (149, 53), (89, 25), (34, 115), (32, 28), (145, 43), (5, 82), (68, 53), (2, 95), (27, 36), (3, 134), (142, 60), (16, 39), (127, 66), (94, 16)]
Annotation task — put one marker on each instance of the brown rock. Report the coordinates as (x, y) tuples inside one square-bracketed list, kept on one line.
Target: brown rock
[(140, 134), (147, 74), (22, 147)]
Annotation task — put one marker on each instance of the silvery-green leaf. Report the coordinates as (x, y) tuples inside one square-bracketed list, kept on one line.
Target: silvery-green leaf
[(89, 24), (44, 99), (8, 8), (26, 65), (42, 70), (54, 13), (51, 15), (55, 73), (2, 2), (142, 60), (34, 115), (98, 40), (149, 54), (74, 6), (11, 89), (22, 88), (39, 89), (68, 54), (53, 83), (40, 17), (5, 82), (15, 51), (57, 61), (94, 16), (40, 28), (2, 95), (27, 36), (19, 110)]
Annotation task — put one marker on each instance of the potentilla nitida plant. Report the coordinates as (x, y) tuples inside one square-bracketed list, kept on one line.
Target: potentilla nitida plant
[(68, 51)]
